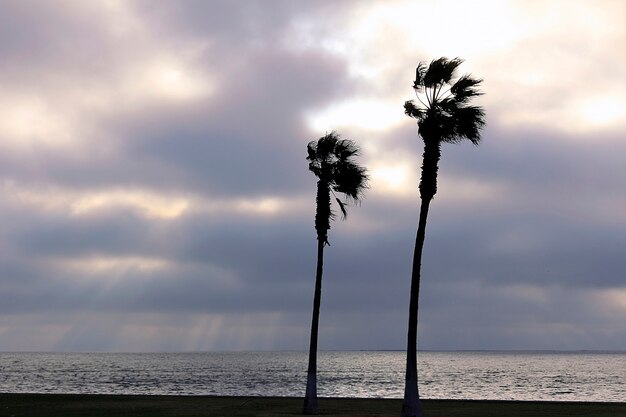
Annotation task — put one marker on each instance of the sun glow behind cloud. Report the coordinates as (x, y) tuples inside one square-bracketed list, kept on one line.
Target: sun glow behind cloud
[(385, 33), (393, 178), (529, 39), (262, 207), (109, 264), (48, 116), (577, 115), (360, 113), (152, 205), (30, 120), (414, 23), (169, 80), (79, 203), (612, 301), (604, 111), (147, 203)]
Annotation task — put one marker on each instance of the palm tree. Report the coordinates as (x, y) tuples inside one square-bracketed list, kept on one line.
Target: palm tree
[(443, 114), (331, 160)]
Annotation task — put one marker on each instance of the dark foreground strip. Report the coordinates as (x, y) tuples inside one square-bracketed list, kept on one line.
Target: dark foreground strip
[(57, 405)]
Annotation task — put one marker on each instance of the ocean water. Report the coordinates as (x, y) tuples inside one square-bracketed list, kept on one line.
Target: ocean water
[(553, 376)]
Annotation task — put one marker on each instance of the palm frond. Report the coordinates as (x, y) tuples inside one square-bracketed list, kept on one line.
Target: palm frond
[(420, 72), (447, 106), (441, 71), (312, 157), (311, 150), (345, 149), (331, 159), (342, 207), (465, 88), (444, 114), (412, 111), (326, 145), (350, 179), (469, 121)]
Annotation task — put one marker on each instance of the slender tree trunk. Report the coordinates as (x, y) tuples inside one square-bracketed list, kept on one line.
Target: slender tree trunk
[(310, 397), (322, 219), (411, 407)]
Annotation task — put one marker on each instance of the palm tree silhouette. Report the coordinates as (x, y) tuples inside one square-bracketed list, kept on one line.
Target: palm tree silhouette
[(443, 115), (331, 160)]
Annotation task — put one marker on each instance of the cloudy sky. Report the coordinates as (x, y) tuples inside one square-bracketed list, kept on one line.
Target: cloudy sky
[(154, 192)]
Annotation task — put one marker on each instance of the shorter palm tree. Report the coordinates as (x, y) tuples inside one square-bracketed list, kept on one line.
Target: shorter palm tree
[(331, 159)]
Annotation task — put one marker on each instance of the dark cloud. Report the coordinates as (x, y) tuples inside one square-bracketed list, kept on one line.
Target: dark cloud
[(258, 23), (249, 138), (62, 45), (246, 138)]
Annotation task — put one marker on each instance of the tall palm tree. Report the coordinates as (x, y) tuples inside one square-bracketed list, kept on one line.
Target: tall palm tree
[(443, 114), (331, 159)]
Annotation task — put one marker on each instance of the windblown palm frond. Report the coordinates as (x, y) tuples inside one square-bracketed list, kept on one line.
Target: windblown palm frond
[(465, 88), (440, 71), (442, 111), (331, 159)]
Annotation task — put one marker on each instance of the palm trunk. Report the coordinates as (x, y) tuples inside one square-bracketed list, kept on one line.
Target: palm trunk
[(310, 397), (411, 407), (322, 217)]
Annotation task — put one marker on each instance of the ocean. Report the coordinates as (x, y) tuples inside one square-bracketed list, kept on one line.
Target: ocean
[(552, 376)]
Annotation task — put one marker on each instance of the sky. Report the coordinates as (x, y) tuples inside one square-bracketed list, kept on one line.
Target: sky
[(155, 196)]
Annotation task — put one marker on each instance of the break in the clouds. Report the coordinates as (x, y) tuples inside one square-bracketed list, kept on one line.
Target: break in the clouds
[(154, 192)]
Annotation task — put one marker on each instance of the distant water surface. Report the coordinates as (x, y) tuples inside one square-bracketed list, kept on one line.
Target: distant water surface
[(556, 376)]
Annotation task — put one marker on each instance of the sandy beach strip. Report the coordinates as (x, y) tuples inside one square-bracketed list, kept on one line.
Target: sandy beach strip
[(61, 405)]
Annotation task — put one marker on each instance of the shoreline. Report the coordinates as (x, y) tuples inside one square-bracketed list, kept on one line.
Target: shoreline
[(96, 405)]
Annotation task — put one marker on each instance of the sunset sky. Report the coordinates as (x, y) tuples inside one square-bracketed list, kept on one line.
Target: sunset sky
[(154, 192)]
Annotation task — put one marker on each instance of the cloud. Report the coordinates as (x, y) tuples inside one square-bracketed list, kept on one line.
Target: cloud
[(154, 193)]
